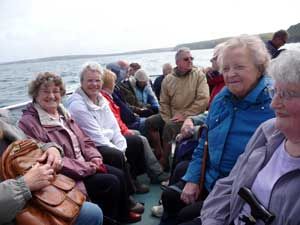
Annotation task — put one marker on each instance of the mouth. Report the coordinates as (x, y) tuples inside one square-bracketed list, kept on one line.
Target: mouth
[(281, 114), (233, 82)]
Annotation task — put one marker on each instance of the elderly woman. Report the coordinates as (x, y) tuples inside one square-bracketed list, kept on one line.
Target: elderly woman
[(153, 168), (271, 161), (92, 113), (234, 115), (16, 192), (45, 119)]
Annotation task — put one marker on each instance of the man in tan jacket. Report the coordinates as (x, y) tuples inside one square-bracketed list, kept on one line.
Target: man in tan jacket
[(184, 93)]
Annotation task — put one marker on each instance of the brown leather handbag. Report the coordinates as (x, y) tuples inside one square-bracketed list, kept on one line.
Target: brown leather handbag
[(56, 204)]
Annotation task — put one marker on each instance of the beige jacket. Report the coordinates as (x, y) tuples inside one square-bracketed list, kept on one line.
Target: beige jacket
[(184, 94)]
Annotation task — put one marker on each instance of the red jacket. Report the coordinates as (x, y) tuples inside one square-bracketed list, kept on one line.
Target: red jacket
[(216, 84), (116, 111)]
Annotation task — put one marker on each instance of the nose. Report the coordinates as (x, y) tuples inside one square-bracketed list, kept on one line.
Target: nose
[(276, 102), (51, 95)]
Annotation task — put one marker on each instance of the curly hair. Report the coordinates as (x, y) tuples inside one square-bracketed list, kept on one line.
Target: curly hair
[(45, 79)]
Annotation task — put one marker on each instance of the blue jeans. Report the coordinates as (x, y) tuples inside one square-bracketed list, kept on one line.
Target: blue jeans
[(90, 214)]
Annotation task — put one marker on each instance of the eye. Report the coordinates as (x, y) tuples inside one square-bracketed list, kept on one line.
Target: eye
[(225, 69), (239, 67)]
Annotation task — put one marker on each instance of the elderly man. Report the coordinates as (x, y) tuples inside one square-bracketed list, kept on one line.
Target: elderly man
[(184, 93), (279, 39)]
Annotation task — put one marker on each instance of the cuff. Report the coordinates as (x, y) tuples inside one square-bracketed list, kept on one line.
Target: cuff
[(44, 147)]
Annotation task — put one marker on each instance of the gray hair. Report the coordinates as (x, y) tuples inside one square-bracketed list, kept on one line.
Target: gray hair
[(218, 48), (286, 67), (90, 66), (254, 45), (181, 50)]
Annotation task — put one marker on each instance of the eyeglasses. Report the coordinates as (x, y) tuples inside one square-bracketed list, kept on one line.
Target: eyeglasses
[(283, 94), (188, 59), (48, 92)]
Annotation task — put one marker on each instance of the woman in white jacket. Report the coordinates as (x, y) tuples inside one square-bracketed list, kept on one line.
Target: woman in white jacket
[(92, 113)]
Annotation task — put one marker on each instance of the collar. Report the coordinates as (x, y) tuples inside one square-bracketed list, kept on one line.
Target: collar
[(102, 102), (178, 73), (253, 95), (46, 119)]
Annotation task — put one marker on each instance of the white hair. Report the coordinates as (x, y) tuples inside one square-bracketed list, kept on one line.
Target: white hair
[(90, 66), (255, 46), (286, 67)]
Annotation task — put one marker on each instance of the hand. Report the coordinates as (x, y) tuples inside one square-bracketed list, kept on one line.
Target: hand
[(52, 157), (187, 129), (39, 176), (129, 132), (97, 161), (190, 193), (93, 167), (178, 118)]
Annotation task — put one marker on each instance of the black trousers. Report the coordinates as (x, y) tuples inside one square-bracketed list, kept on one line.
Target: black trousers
[(109, 191), (115, 158), (196, 221), (175, 210), (135, 155)]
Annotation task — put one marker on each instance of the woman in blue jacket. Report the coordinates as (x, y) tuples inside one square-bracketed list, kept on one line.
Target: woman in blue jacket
[(234, 115)]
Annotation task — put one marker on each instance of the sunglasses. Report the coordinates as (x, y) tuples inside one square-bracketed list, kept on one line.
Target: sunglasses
[(188, 59)]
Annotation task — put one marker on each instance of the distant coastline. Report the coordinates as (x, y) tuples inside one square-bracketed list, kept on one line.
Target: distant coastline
[(294, 36)]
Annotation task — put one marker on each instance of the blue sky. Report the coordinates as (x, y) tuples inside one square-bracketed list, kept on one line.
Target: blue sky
[(43, 28)]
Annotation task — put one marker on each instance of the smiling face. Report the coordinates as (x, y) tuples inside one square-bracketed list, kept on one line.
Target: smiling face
[(49, 97), (287, 109), (91, 84), (239, 71)]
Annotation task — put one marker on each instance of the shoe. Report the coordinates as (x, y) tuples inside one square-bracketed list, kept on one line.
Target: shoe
[(135, 206), (140, 188), (133, 217), (165, 183), (157, 211), (160, 178)]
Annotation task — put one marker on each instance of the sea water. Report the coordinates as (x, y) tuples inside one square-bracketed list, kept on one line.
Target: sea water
[(14, 78)]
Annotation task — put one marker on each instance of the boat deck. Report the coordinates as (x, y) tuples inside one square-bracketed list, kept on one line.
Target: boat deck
[(150, 199)]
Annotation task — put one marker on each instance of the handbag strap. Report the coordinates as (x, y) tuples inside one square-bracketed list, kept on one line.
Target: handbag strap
[(203, 128)]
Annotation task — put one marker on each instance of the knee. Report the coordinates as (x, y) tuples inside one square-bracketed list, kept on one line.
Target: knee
[(169, 197), (91, 214)]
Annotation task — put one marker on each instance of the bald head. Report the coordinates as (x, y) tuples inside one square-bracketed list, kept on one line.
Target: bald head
[(167, 69)]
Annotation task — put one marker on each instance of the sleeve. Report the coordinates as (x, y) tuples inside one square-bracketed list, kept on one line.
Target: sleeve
[(14, 195), (89, 124), (45, 146), (152, 100), (199, 119), (118, 139), (194, 169), (165, 101), (202, 96)]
